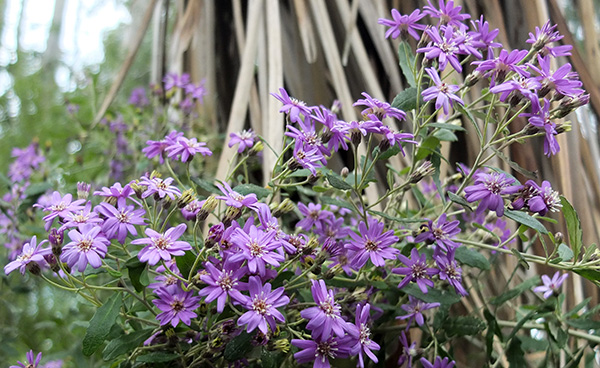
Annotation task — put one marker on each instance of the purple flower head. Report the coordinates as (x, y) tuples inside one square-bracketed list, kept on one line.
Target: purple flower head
[(408, 351), (551, 286), (362, 335), (324, 319), (222, 282), (244, 140), (167, 279), (83, 216), (562, 80), (191, 209), (196, 91), (440, 233), (438, 363), (444, 46), (187, 149), (307, 137), (392, 138), (138, 97), (307, 158), (31, 362), (450, 270), (544, 36), (447, 13), (489, 189), (60, 207), (31, 252), (442, 93), (88, 246), (414, 310), (115, 191), (416, 270), (257, 247), (499, 228), (157, 148), (499, 67), (159, 188), (235, 199), (482, 37), (176, 305), (403, 25), (120, 220), (379, 108), (162, 246), (292, 106), (372, 243), (545, 198), (540, 117), (519, 86), (172, 80), (314, 216), (321, 350), (262, 306)]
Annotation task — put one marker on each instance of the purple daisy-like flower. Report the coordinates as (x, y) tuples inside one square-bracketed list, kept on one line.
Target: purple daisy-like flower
[(88, 246), (540, 117), (414, 311), (519, 86), (499, 67), (222, 283), (408, 351), (262, 306), (442, 93), (257, 247), (187, 149), (157, 148), (543, 36), (307, 136), (482, 37), (138, 97), (379, 108), (392, 138), (444, 46), (372, 243), (292, 106), (115, 191), (191, 209), (307, 158), (159, 187), (31, 362), (438, 363), (60, 207), (551, 286), (244, 140), (176, 305), (83, 216), (447, 12), (545, 198), (489, 189), (31, 252), (450, 270), (561, 80), (162, 246), (314, 216), (362, 335), (403, 25), (120, 220), (196, 91), (321, 350), (416, 270), (324, 319), (440, 233), (235, 199)]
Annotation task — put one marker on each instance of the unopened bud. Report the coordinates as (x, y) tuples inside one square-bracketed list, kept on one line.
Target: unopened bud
[(563, 127), (336, 106), (293, 164), (310, 246), (282, 345), (34, 268), (558, 238), (425, 38), (167, 202), (256, 148), (473, 78), (312, 179), (186, 197), (422, 171), (384, 145), (284, 207), (83, 190), (345, 172), (138, 189), (232, 214), (56, 239), (155, 174), (209, 205)]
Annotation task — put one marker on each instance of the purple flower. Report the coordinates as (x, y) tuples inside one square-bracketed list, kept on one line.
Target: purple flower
[(489, 188), (196, 91), (519, 86), (235, 199), (60, 207), (545, 198), (307, 137), (162, 246), (292, 106), (157, 148), (32, 252), (176, 305), (325, 318), (544, 36), (83, 216), (262, 306), (447, 13), (540, 117), (321, 350), (414, 310), (379, 108), (551, 286), (450, 270), (560, 80), (257, 247), (138, 97), (172, 80), (116, 191), (444, 46), (307, 158), (499, 67), (372, 243), (439, 363), (392, 138), (442, 92), (362, 335), (159, 187), (120, 220), (244, 139), (87, 245), (187, 149), (440, 233), (403, 25), (191, 209), (482, 37), (31, 362), (222, 283), (408, 351), (416, 270), (314, 216)]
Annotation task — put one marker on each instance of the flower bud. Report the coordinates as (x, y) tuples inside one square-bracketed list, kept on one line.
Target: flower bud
[(215, 233), (558, 238), (293, 164), (56, 238), (473, 78), (563, 127), (155, 174), (284, 207), (138, 189), (209, 205), (336, 106), (282, 345), (166, 201), (186, 197), (312, 179), (232, 214), (384, 145), (345, 172), (256, 148), (422, 171), (34, 268), (83, 190)]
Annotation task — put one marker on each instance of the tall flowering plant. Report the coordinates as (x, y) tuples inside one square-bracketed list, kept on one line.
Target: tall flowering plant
[(307, 270)]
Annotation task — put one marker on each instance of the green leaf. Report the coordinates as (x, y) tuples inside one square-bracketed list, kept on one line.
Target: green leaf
[(573, 226), (185, 263), (516, 291), (564, 252), (584, 323), (406, 100), (525, 219), (37, 189), (101, 323), (459, 200), (302, 173), (335, 202), (238, 347), (407, 60), (472, 258), (445, 135), (443, 297), (125, 344), (427, 147), (245, 189), (591, 275), (319, 189), (205, 185), (156, 357), (446, 126), (392, 151), (336, 181), (463, 326), (138, 273), (516, 355)]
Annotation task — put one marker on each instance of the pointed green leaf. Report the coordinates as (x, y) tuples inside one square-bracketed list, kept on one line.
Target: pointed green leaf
[(573, 227), (406, 100), (101, 323), (245, 189), (138, 273), (459, 200), (525, 219), (407, 60), (472, 258), (125, 344), (336, 181), (185, 263)]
